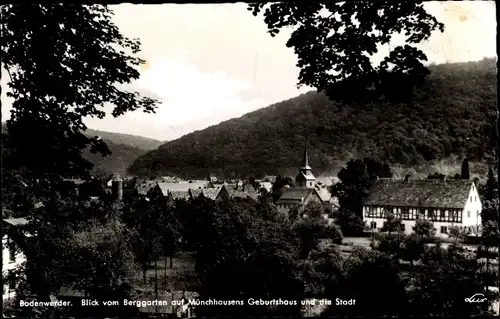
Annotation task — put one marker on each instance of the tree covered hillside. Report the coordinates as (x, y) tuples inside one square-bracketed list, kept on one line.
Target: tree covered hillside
[(453, 114), (121, 157), (124, 149), (144, 143)]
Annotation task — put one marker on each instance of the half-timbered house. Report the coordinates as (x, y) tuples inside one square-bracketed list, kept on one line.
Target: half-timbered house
[(452, 202)]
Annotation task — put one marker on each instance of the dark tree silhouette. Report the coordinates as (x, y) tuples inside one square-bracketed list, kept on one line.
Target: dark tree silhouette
[(334, 42), (465, 174), (491, 185), (356, 181), (65, 62)]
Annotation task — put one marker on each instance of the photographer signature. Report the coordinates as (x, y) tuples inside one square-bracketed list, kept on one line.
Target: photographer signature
[(476, 298)]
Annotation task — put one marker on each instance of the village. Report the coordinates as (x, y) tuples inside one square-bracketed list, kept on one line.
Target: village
[(448, 203)]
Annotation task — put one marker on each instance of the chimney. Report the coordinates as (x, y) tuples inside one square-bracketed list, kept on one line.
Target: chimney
[(117, 188)]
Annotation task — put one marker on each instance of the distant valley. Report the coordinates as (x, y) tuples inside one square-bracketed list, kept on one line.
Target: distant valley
[(125, 148)]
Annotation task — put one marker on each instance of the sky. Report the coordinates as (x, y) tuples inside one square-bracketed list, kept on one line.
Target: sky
[(207, 63)]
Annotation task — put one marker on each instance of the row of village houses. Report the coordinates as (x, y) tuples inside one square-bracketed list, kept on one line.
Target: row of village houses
[(444, 202)]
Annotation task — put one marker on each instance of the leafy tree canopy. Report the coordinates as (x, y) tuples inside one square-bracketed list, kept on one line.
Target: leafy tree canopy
[(65, 62), (334, 42), (356, 181)]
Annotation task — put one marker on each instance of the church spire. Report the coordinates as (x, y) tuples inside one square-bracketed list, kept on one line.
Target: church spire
[(305, 160)]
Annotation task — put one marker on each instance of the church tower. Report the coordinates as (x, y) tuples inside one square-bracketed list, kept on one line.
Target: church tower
[(305, 177)]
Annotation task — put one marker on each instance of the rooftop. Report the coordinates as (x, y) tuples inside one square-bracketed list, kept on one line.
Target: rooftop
[(295, 194), (434, 193)]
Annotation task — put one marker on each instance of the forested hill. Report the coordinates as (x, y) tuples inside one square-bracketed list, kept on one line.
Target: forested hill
[(452, 115), (143, 143), (125, 148)]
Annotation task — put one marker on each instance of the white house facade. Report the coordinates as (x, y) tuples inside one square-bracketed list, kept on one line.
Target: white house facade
[(446, 203), (12, 257)]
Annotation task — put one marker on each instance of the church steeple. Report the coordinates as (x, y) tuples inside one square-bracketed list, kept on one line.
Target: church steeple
[(305, 160), (305, 177)]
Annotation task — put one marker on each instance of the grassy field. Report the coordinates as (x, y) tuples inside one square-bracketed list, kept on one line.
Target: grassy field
[(357, 241), (181, 276)]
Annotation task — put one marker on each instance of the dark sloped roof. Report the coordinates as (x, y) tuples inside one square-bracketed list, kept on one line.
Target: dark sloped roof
[(211, 193), (295, 193), (324, 194), (144, 186), (195, 193), (307, 177), (180, 194), (435, 193), (243, 194)]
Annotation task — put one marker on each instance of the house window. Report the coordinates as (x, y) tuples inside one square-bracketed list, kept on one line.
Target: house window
[(475, 199), (310, 184), (441, 215), (405, 213), (444, 230), (468, 213), (471, 199), (371, 211), (373, 225)]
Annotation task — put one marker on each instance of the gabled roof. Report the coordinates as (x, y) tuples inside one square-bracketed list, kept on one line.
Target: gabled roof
[(243, 194), (211, 193), (296, 195), (308, 176), (234, 192), (195, 193), (324, 194), (144, 186), (435, 193), (16, 221)]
